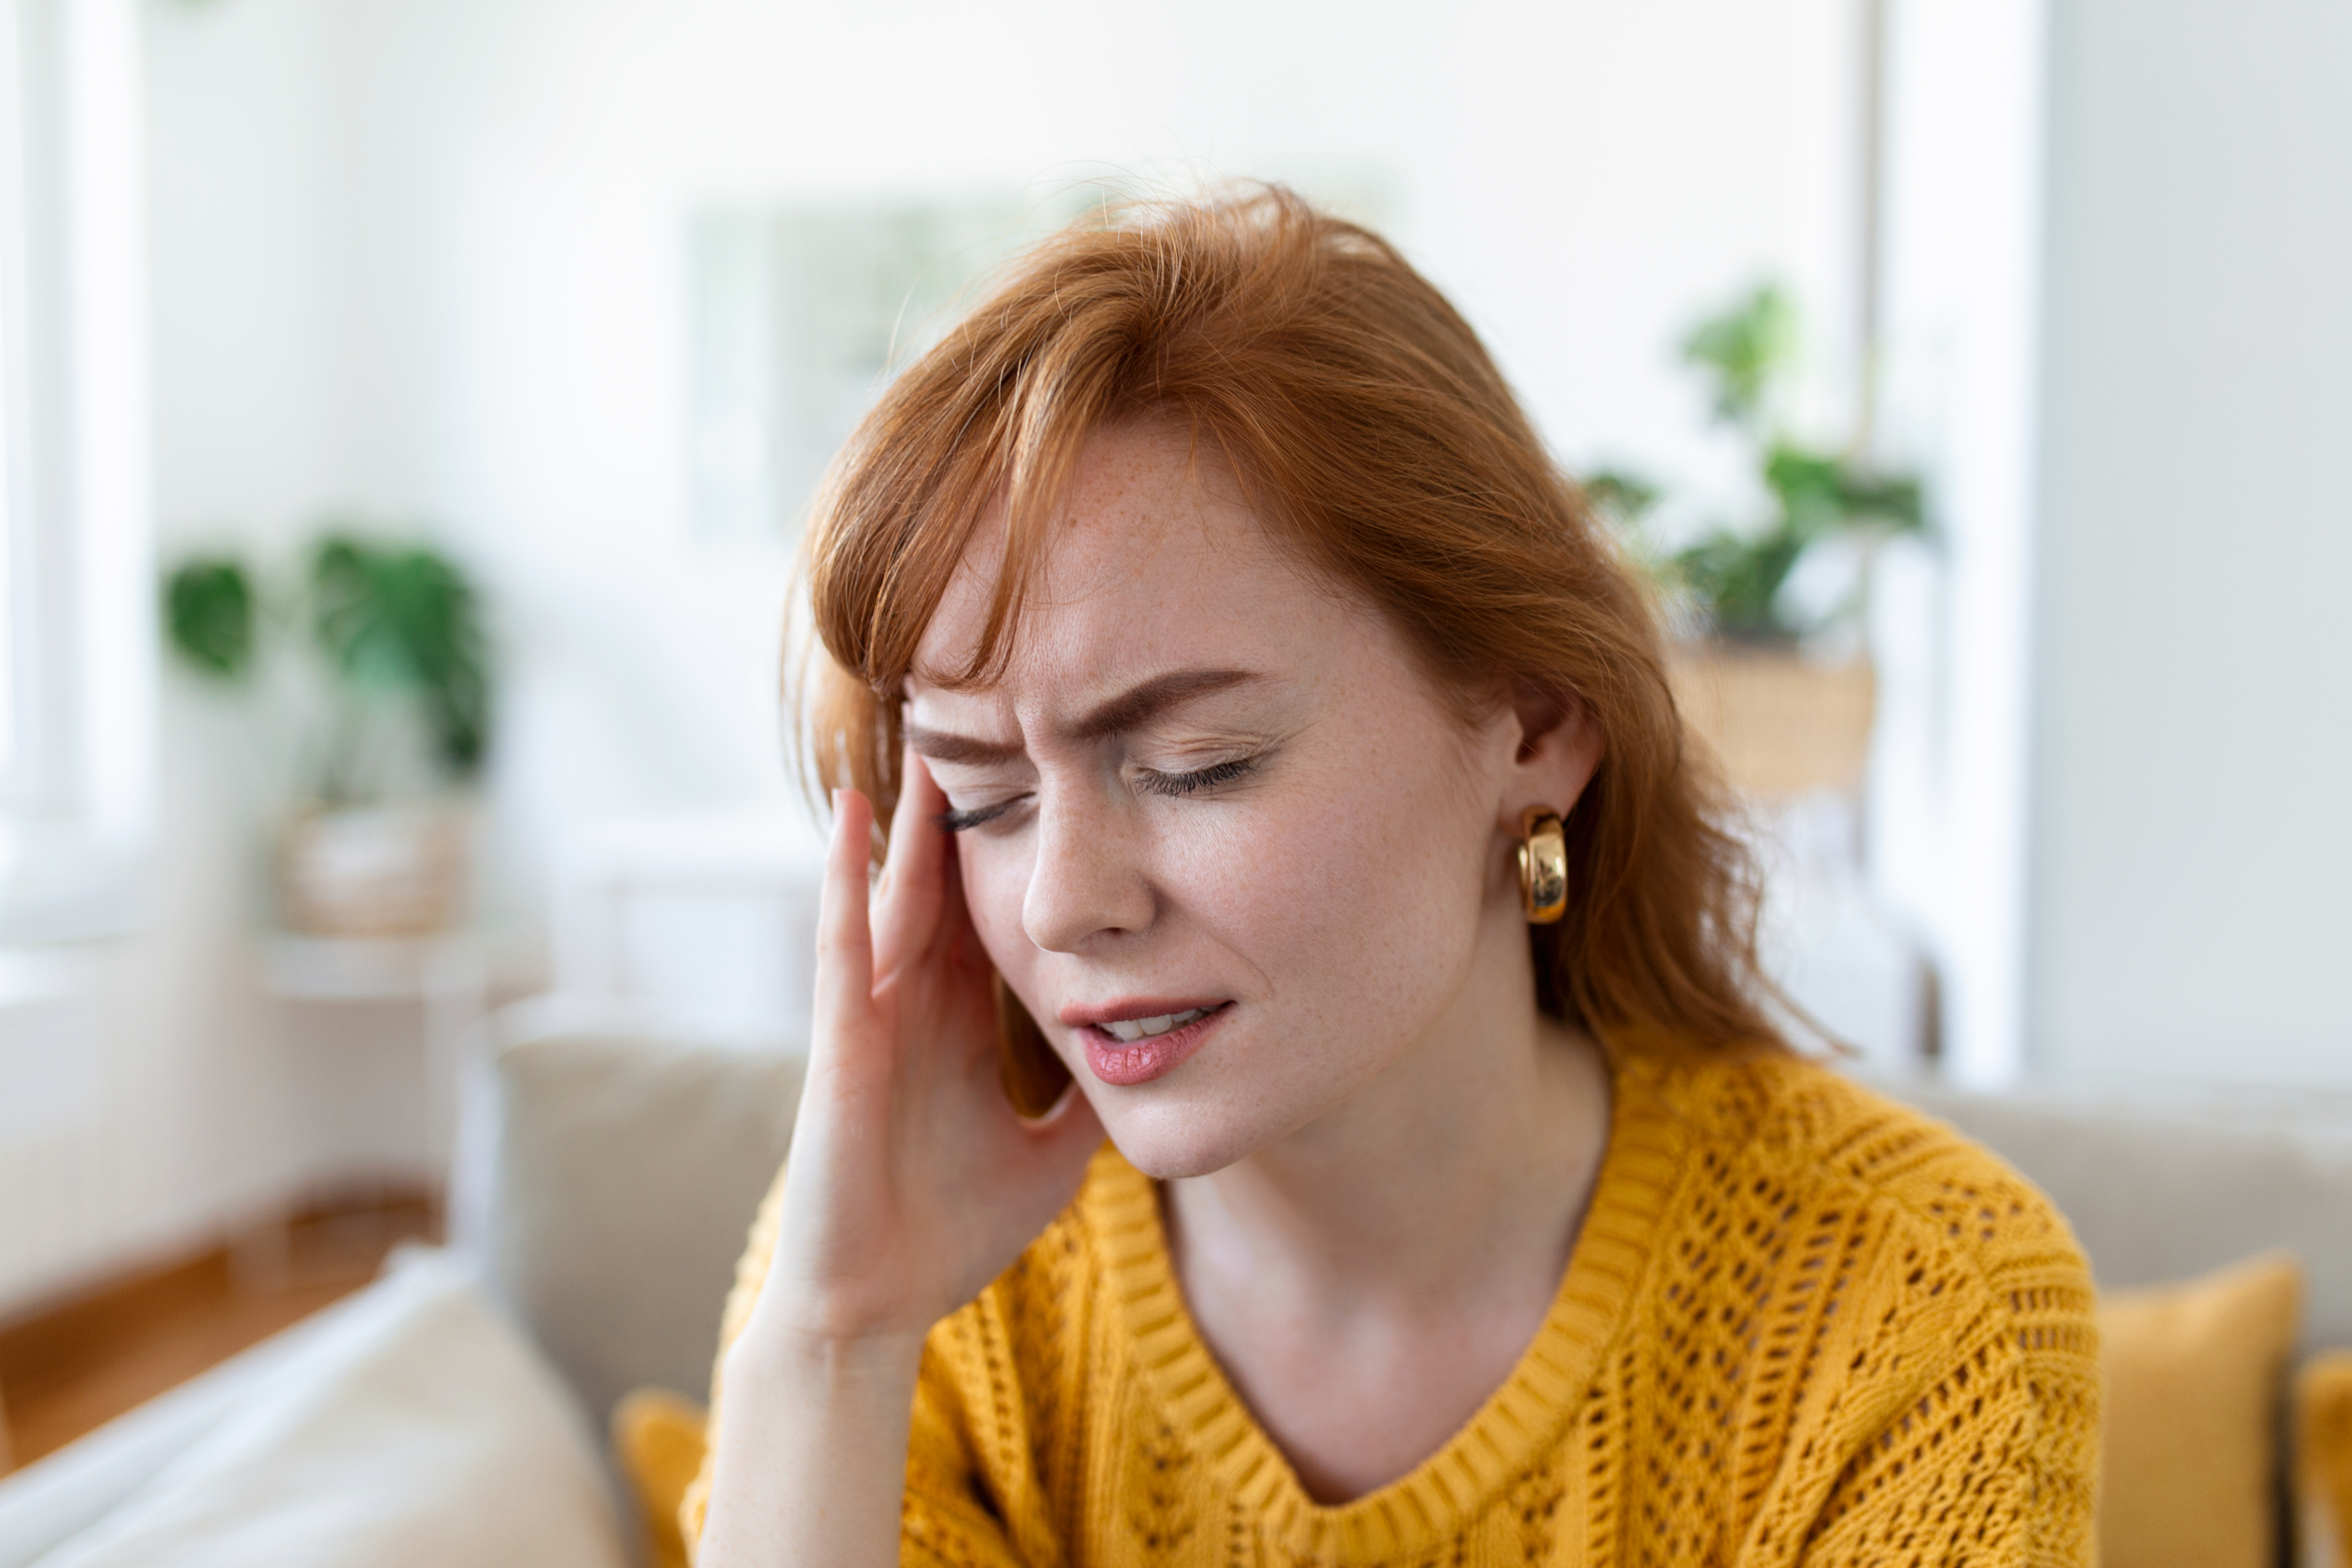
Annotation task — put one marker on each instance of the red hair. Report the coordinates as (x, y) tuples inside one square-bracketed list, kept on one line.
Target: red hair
[(1371, 431)]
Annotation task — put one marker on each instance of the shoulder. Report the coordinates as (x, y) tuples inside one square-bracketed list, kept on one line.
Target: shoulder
[(1941, 1266), (1800, 1134), (1949, 1331)]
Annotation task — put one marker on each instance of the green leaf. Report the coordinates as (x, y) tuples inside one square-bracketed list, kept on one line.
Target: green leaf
[(208, 616), (1892, 500), (1745, 350), (401, 620), (1808, 487), (1623, 497), (1820, 492), (1737, 576)]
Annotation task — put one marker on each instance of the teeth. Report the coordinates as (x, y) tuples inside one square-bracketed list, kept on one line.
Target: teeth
[(1130, 1030)]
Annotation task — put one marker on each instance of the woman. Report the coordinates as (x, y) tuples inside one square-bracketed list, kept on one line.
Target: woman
[(1257, 731)]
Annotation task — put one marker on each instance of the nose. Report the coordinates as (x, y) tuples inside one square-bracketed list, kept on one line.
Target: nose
[(1087, 884)]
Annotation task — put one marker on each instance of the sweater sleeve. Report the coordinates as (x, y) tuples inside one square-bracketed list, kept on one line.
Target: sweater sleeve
[(943, 1521), (1973, 1389), (947, 1520)]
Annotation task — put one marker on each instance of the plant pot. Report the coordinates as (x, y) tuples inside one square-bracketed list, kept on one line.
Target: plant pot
[(373, 871), (1781, 724)]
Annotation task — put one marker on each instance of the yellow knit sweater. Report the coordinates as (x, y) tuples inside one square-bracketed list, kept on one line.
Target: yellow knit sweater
[(1800, 1325)]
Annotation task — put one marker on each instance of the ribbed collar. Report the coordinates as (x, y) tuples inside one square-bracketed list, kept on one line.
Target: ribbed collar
[(1428, 1507)]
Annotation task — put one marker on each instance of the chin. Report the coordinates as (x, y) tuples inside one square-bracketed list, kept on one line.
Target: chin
[(1170, 1139), (1172, 1129)]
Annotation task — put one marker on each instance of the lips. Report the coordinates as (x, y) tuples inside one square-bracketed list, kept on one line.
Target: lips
[(1180, 1030)]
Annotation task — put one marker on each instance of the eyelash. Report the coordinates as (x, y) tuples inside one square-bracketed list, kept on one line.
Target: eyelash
[(964, 821), (1173, 784), (1210, 777)]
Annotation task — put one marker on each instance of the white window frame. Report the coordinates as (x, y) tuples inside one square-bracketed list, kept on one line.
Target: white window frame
[(77, 785)]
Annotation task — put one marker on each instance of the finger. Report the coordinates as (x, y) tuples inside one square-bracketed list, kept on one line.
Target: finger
[(907, 912), (844, 951), (955, 941)]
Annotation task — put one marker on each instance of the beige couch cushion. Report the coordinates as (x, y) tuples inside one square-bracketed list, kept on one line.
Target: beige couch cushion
[(2160, 1191), (604, 1185)]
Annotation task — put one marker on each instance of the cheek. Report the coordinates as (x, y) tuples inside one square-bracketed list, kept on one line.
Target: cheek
[(1355, 896), (995, 882)]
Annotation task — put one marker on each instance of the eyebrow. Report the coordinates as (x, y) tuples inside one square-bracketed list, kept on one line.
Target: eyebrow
[(1130, 710)]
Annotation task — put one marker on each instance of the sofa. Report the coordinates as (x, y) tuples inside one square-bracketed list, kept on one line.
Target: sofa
[(455, 1412)]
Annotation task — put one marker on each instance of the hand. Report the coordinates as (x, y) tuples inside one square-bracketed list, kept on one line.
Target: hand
[(912, 1184)]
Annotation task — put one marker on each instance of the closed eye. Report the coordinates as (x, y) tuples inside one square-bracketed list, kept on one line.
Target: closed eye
[(963, 821), (1210, 777), (1215, 776)]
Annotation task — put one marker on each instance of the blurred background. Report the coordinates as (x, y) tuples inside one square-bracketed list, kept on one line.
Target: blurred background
[(410, 407)]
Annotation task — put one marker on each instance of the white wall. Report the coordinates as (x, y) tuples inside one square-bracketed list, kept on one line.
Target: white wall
[(2193, 841), (1949, 798)]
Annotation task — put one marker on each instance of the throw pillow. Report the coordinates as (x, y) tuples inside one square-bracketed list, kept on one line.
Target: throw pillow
[(420, 1428), (2193, 1376), (2323, 1399), (660, 1438)]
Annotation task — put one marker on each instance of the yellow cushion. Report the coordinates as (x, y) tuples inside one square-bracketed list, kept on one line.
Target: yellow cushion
[(2194, 1372), (658, 1437), (2323, 1429)]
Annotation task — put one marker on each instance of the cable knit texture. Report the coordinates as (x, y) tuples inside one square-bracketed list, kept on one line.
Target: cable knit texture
[(1800, 1325)]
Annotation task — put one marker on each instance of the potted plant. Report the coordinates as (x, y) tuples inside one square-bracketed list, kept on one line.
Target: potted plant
[(1771, 677), (392, 690)]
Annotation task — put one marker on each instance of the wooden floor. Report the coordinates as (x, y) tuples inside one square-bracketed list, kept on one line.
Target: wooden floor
[(73, 1364)]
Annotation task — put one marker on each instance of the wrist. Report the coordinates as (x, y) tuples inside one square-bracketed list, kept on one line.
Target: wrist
[(808, 1455), (815, 1361)]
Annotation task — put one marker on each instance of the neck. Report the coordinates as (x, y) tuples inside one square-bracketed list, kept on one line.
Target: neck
[(1471, 1154)]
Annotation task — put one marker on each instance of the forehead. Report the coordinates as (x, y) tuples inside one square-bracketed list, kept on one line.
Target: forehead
[(1156, 562)]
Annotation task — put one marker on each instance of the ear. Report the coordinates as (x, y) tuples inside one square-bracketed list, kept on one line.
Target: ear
[(1560, 748)]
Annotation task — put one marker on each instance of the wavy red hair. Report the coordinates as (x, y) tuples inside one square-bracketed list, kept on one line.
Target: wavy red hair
[(1371, 432)]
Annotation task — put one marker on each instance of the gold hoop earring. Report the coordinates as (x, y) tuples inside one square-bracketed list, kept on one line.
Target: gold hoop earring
[(1543, 865)]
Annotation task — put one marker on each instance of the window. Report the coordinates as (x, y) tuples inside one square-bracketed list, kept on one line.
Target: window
[(76, 615), (20, 112)]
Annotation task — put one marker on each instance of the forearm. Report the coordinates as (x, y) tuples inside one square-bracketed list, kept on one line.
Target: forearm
[(810, 1457)]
